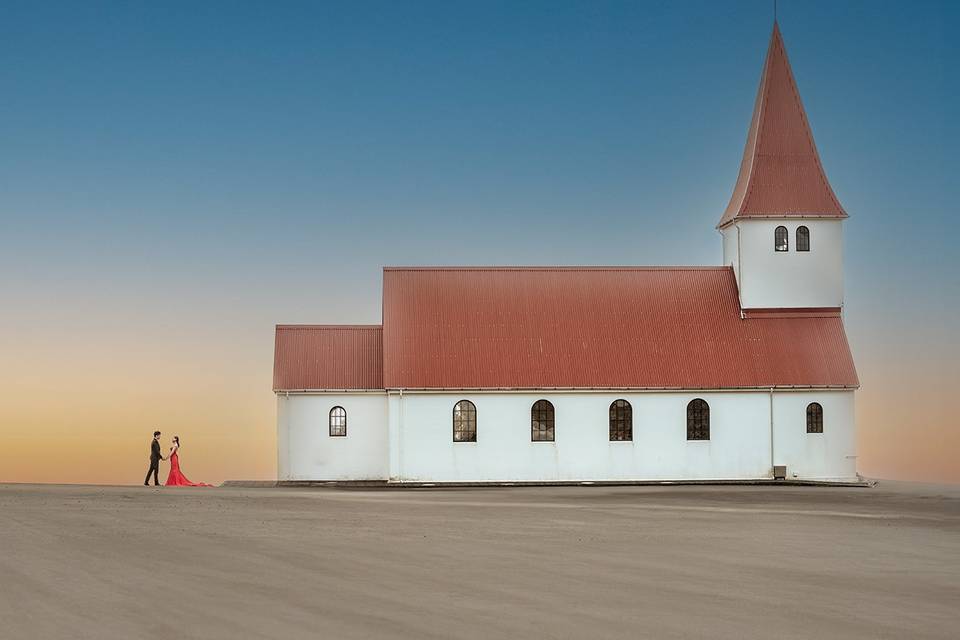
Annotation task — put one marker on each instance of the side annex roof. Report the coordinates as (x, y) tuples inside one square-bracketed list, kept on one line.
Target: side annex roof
[(328, 357)]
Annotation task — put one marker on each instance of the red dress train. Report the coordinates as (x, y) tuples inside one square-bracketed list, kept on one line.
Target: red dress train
[(176, 477)]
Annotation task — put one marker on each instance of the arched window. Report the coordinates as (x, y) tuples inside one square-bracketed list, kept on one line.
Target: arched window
[(803, 239), (781, 239), (464, 422), (541, 421), (621, 421), (698, 420), (338, 421), (814, 418)]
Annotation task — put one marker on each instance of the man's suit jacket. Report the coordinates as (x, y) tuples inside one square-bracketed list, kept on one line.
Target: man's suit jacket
[(155, 452)]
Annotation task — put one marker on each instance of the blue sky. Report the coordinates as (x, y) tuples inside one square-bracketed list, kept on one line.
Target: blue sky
[(202, 171)]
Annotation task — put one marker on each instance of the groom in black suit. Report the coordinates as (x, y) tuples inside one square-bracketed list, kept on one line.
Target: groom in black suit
[(155, 459)]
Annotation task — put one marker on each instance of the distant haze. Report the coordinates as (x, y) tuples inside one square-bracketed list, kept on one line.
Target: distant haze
[(176, 178)]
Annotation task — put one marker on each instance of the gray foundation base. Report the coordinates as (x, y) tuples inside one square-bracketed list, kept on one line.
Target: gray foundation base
[(384, 484)]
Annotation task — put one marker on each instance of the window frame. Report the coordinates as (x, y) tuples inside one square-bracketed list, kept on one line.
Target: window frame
[(330, 422), (465, 422), (805, 245), (695, 431), (776, 239), (547, 414), (815, 417), (620, 425)]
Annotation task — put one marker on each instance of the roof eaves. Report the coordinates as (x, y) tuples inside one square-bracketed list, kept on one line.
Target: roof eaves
[(560, 268), (321, 327), (356, 390), (765, 387)]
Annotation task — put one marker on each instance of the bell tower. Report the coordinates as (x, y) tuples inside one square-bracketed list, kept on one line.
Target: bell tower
[(783, 229)]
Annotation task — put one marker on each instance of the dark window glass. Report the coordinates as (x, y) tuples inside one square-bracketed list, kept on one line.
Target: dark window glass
[(541, 422), (698, 420), (621, 420), (338, 421), (781, 239), (803, 239), (814, 418), (464, 422)]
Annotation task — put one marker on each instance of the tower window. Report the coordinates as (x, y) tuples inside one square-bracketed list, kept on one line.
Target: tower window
[(803, 239), (338, 421), (814, 418), (698, 420), (621, 421), (541, 422), (464, 422), (781, 239)]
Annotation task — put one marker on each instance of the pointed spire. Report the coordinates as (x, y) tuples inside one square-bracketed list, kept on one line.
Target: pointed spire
[(780, 175)]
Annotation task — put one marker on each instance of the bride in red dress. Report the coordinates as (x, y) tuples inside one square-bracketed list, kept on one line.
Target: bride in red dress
[(176, 477)]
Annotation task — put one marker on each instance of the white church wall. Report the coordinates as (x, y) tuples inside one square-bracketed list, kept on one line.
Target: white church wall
[(790, 279), (815, 456), (731, 251), (394, 406), (307, 451), (413, 438), (739, 445)]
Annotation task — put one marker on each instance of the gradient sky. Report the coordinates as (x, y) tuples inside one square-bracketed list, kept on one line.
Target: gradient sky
[(176, 178)]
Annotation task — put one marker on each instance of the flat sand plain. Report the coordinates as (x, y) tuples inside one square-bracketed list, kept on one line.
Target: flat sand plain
[(531, 562)]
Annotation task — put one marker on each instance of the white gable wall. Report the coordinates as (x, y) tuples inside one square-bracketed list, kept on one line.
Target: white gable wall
[(731, 249), (307, 451), (830, 455)]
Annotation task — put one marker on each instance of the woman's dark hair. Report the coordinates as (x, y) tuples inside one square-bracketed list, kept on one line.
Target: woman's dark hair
[(176, 439)]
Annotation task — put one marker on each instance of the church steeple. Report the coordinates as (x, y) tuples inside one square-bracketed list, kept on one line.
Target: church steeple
[(780, 175)]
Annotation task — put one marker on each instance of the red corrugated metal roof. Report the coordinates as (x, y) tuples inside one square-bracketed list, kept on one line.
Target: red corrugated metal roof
[(781, 174), (618, 328), (328, 357)]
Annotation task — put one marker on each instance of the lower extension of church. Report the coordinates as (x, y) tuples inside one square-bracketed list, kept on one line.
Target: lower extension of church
[(740, 371)]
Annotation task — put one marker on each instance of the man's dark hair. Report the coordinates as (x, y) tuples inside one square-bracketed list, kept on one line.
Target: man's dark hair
[(156, 433)]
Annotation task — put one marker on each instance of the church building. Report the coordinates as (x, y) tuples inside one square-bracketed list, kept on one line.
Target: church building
[(740, 371)]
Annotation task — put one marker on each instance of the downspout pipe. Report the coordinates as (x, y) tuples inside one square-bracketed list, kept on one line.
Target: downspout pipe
[(739, 271), (772, 460), (400, 439)]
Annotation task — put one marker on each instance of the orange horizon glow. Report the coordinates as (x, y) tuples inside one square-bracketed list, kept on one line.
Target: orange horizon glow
[(97, 430)]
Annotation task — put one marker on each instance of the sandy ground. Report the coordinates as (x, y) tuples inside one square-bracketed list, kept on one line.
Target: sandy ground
[(550, 562)]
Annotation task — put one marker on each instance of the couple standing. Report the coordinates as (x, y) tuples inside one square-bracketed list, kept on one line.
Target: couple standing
[(176, 477)]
